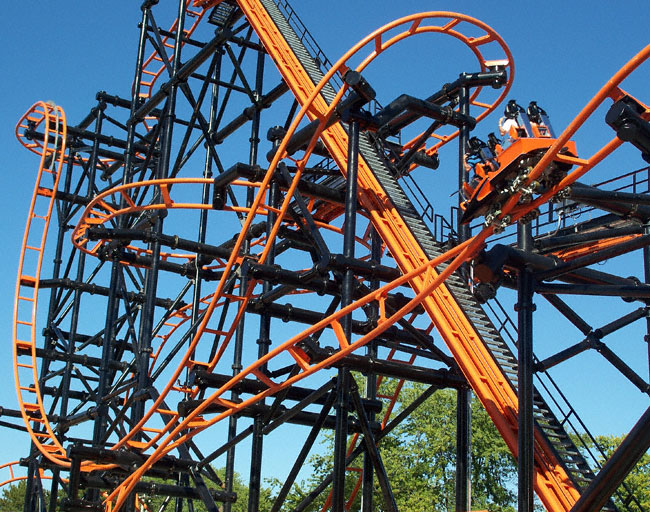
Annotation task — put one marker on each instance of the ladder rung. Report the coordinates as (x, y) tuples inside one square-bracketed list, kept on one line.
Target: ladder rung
[(27, 280), (136, 444), (215, 332), (197, 422), (153, 430), (50, 448), (24, 345)]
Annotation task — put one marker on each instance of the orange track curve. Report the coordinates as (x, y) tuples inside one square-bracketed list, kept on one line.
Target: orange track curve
[(414, 28), (552, 483), (612, 90), (52, 119)]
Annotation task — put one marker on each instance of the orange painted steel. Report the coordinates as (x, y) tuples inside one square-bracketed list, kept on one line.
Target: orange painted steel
[(194, 421), (155, 65), (51, 119), (498, 397), (474, 43), (552, 483), (11, 467), (315, 106), (93, 216), (99, 212), (592, 247), (491, 181)]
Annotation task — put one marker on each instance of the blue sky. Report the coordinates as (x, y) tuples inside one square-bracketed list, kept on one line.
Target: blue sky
[(67, 50)]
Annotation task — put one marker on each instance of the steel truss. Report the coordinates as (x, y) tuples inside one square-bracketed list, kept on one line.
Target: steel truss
[(182, 241)]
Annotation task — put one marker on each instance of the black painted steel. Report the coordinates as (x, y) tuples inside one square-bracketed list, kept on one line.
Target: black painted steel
[(464, 395), (619, 465), (525, 389), (119, 364)]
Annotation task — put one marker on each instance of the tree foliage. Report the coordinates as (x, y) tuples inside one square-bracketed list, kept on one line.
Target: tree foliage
[(13, 497), (420, 459), (156, 503), (637, 482)]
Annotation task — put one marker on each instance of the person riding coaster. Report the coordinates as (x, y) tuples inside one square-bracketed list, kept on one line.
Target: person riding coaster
[(501, 171)]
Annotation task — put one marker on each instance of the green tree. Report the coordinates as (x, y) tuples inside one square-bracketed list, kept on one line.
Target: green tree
[(420, 457), (155, 503), (13, 497), (637, 482)]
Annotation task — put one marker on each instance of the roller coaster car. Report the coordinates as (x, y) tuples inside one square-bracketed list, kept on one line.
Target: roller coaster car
[(499, 173)]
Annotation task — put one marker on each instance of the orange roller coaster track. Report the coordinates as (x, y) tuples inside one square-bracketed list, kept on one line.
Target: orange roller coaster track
[(136, 391)]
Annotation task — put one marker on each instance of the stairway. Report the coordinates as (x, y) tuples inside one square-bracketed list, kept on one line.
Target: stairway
[(565, 450), (561, 470)]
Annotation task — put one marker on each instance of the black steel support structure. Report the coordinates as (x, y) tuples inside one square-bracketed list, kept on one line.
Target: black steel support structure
[(464, 395), (646, 276), (526, 440), (264, 340), (120, 318), (371, 390), (343, 380)]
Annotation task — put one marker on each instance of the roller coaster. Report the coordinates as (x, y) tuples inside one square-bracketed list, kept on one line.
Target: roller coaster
[(165, 335)]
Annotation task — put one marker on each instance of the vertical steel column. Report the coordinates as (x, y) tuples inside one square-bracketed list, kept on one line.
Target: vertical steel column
[(464, 395), (183, 479), (646, 274), (463, 173), (151, 275), (112, 307), (347, 292), (145, 334), (32, 468), (463, 449), (76, 303), (371, 383), (525, 308), (207, 174), (264, 340)]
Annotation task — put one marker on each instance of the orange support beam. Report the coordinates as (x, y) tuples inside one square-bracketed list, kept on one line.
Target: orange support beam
[(552, 483)]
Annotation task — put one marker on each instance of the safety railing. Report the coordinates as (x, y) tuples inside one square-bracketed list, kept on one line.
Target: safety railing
[(566, 213), (575, 427)]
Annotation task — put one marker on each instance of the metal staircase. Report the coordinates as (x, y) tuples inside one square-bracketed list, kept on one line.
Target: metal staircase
[(562, 447), (565, 450)]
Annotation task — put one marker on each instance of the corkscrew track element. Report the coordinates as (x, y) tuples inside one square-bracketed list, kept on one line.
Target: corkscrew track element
[(137, 393)]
